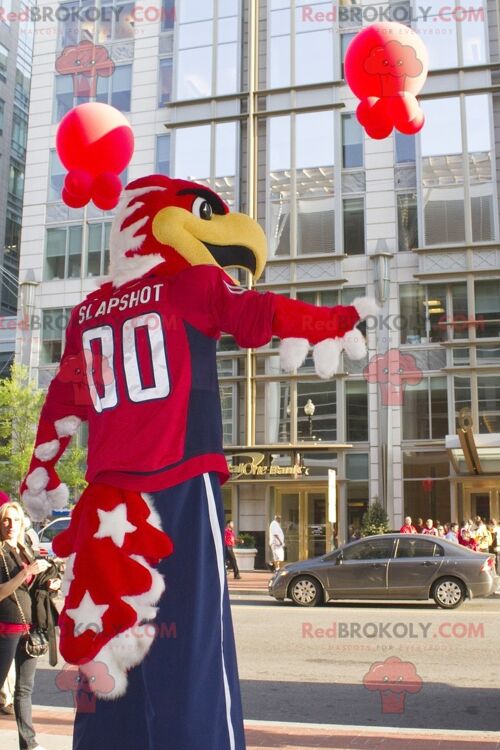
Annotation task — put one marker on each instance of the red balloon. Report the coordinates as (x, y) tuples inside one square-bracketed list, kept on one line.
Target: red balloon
[(96, 138), (106, 190), (387, 62), (95, 143)]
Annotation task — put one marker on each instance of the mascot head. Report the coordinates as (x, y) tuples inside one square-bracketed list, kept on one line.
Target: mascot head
[(179, 224)]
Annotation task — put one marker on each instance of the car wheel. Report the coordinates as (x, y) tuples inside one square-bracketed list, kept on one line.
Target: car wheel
[(306, 591), (448, 593)]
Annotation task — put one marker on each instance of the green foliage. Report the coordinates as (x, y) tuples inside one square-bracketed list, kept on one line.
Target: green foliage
[(71, 469), (20, 405), (246, 541), (375, 521)]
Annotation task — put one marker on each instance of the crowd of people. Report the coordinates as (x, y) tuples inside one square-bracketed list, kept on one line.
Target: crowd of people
[(475, 533)]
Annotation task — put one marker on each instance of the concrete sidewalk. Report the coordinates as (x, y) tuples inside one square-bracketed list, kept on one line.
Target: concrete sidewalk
[(54, 729)]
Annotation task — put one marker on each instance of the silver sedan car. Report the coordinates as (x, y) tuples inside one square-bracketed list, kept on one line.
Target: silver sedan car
[(389, 566)]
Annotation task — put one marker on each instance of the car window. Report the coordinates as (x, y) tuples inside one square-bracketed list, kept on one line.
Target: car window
[(418, 547), (374, 549), (50, 532)]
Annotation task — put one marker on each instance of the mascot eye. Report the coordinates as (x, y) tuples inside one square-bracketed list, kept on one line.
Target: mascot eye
[(202, 209)]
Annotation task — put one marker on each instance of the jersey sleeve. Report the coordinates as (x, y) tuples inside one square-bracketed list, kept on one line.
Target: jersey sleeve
[(64, 409)]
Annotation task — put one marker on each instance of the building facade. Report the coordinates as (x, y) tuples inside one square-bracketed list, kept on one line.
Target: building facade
[(16, 43), (249, 97)]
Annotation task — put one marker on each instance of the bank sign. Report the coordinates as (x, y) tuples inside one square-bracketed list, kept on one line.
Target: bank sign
[(246, 465)]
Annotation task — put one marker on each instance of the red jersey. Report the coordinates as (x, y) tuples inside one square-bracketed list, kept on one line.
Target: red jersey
[(140, 366)]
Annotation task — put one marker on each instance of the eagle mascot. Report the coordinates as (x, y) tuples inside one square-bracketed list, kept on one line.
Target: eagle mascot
[(146, 617)]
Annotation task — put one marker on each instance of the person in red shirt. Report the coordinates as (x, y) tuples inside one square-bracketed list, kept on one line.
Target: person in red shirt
[(466, 540), (407, 527), (429, 528), (229, 543)]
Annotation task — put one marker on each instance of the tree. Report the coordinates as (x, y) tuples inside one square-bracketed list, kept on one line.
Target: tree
[(20, 404), (375, 520)]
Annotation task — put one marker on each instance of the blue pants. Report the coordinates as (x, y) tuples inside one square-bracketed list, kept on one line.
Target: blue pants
[(185, 695)]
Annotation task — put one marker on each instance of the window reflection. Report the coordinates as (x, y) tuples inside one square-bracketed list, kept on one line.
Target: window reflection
[(279, 161), (442, 172), (352, 142)]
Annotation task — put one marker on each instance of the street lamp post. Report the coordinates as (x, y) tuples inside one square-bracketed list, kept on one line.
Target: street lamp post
[(309, 410)]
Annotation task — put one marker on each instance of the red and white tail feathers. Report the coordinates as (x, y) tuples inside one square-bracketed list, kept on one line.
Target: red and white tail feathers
[(111, 586)]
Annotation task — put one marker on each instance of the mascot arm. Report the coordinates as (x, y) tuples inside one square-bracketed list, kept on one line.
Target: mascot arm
[(253, 318), (63, 410)]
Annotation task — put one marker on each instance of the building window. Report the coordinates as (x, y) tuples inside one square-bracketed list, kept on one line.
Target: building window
[(57, 174), (356, 410), (54, 322), (198, 56), (424, 499), (314, 159), (98, 249), (425, 314), (167, 15), (10, 262), (208, 154), (425, 410), (162, 161), (165, 93), (19, 134), (228, 394), (407, 221), (4, 56), (352, 142), (487, 312), (114, 90), (114, 23), (312, 47), (117, 89), (488, 399), (63, 253), (405, 147), (354, 226), (322, 425), (2, 106), (345, 40), (16, 180)]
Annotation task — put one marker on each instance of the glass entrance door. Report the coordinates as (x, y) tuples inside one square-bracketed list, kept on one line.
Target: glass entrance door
[(304, 522)]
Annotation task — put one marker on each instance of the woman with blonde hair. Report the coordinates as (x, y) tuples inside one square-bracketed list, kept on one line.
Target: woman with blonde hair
[(18, 573)]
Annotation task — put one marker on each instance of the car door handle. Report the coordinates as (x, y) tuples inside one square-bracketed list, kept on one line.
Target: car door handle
[(428, 563), (377, 565)]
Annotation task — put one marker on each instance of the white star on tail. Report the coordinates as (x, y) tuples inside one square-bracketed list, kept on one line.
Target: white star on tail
[(114, 523), (88, 615)]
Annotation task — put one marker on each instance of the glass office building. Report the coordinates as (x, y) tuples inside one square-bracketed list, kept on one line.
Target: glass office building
[(249, 98)]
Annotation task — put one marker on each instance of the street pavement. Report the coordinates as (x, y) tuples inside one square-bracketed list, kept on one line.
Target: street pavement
[(324, 653)]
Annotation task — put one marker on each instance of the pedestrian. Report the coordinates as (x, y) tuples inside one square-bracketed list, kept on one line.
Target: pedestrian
[(466, 540), (419, 525), (440, 530), (429, 528), (277, 542), (18, 576), (229, 543), (495, 541), (452, 534), (407, 527), (481, 535)]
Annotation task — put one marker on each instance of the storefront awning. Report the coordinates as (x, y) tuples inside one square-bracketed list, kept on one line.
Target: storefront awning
[(474, 454)]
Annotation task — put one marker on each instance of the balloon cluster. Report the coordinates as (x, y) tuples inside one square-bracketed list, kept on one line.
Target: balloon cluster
[(386, 66), (95, 143)]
